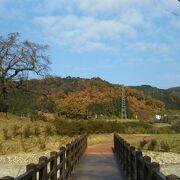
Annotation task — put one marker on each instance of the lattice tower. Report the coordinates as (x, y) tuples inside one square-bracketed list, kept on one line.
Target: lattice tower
[(123, 104)]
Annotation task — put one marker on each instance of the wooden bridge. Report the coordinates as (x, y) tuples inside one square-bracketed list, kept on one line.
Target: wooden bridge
[(76, 161)]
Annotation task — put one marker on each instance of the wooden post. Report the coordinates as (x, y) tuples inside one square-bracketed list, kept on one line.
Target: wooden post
[(53, 165), (43, 170), (138, 164), (118, 148), (115, 145), (128, 162), (147, 167), (73, 154), (155, 168), (31, 167), (68, 163), (62, 162), (133, 167), (76, 153), (125, 155), (86, 142), (172, 177)]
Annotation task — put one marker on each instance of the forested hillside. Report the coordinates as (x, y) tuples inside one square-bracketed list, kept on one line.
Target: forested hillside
[(171, 96), (78, 98)]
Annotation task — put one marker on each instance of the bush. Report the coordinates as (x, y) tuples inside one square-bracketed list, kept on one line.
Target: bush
[(152, 145), (91, 127), (42, 142), (36, 116), (142, 143), (165, 146), (27, 132), (36, 131), (15, 130), (48, 130), (176, 125), (6, 134)]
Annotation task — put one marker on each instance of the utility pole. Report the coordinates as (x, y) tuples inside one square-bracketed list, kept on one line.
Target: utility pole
[(123, 104)]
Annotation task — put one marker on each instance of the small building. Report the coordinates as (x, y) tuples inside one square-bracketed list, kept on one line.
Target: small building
[(158, 117)]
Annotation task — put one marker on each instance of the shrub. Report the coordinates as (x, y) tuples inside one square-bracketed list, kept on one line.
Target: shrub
[(176, 125), (1, 147), (36, 131), (6, 134), (91, 127), (36, 116), (42, 142), (152, 145), (27, 132), (142, 143), (48, 130), (15, 130), (165, 146)]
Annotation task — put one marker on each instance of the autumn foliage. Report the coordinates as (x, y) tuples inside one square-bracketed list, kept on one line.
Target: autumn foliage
[(82, 98)]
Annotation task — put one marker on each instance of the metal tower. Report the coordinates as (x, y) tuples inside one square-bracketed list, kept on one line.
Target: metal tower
[(123, 104)]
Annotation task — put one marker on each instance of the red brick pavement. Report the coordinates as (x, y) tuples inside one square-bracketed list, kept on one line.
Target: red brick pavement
[(100, 149)]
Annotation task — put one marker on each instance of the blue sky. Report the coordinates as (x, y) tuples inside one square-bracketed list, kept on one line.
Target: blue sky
[(127, 42)]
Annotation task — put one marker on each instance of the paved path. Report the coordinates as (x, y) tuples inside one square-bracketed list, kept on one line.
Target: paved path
[(98, 163), (100, 149)]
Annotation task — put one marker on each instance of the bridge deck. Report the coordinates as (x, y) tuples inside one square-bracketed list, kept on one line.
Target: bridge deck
[(98, 163)]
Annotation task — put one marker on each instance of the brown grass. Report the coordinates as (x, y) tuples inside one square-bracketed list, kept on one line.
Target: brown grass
[(94, 139), (34, 143)]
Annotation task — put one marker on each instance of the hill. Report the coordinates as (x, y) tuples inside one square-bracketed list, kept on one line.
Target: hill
[(176, 89), (171, 96), (78, 98)]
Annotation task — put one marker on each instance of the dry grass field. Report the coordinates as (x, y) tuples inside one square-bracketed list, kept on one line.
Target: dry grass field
[(23, 135), (94, 139), (173, 140)]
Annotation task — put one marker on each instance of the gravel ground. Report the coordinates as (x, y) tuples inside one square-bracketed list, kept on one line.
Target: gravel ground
[(15, 164), (171, 169), (11, 170), (22, 158), (163, 158), (169, 162)]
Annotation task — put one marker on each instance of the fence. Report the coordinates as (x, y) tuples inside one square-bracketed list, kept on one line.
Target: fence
[(56, 167), (135, 165)]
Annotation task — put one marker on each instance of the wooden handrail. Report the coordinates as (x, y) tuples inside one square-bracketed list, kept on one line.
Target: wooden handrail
[(61, 163), (135, 165)]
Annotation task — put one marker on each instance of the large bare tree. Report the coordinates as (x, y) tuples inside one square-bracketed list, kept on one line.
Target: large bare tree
[(19, 57)]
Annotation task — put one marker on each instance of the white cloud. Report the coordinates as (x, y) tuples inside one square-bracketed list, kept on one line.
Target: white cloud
[(84, 32), (109, 7), (96, 24), (153, 47)]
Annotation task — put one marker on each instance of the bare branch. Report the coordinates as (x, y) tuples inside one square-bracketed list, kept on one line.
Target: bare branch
[(17, 57)]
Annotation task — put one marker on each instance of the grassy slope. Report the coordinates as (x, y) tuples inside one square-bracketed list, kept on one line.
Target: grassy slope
[(33, 143)]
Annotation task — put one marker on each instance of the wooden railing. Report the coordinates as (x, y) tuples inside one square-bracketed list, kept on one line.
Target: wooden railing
[(56, 167), (135, 165)]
